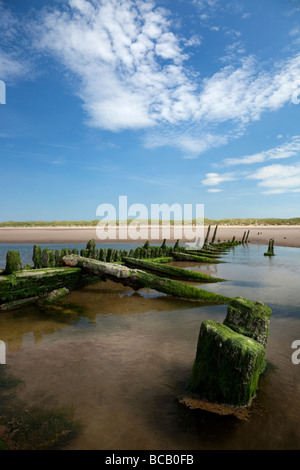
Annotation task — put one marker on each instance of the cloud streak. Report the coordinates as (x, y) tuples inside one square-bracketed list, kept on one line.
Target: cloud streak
[(214, 179), (278, 179), (286, 150), (12, 64)]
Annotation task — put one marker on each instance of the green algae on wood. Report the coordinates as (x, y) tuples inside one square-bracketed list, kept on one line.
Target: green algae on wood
[(38, 282), (207, 235), (195, 258), (270, 251), (214, 235), (37, 257), (227, 366), (91, 248), (206, 253), (13, 262), (48, 258), (171, 272), (249, 318), (138, 279)]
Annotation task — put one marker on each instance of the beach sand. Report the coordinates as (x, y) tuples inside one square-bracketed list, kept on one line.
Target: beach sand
[(283, 235)]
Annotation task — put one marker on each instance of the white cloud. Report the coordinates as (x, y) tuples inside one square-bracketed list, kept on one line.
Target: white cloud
[(195, 40), (214, 179), (278, 179), (243, 94), (295, 31), (12, 62), (286, 150), (202, 4), (131, 69), (187, 141), (214, 190), (11, 67), (128, 61), (8, 25)]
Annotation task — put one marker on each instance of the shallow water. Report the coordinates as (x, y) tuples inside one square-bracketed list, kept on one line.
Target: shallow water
[(123, 360)]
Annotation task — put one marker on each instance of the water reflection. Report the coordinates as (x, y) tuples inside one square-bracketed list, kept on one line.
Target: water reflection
[(122, 360)]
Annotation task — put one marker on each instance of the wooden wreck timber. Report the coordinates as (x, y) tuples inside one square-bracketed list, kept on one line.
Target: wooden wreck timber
[(23, 287), (270, 251), (227, 365), (195, 258), (214, 235), (13, 262), (171, 272), (230, 357), (206, 254), (138, 279), (249, 319)]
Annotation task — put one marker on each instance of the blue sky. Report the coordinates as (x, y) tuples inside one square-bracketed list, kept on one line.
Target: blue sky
[(183, 101)]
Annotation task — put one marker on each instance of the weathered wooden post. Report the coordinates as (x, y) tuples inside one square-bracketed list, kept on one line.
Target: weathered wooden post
[(48, 258), (227, 365), (164, 247), (231, 356), (249, 318), (58, 257), (13, 262), (91, 249), (214, 235), (270, 251), (102, 254), (110, 255), (207, 235), (176, 246), (37, 257)]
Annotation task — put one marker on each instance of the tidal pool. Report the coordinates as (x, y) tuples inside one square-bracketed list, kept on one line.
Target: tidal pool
[(122, 360)]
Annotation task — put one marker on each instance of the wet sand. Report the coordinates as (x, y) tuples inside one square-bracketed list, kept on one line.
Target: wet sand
[(283, 235)]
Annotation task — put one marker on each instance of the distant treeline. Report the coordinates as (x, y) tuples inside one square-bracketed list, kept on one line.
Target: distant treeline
[(94, 223)]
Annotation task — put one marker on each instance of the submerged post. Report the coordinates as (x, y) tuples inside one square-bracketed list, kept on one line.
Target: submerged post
[(270, 251)]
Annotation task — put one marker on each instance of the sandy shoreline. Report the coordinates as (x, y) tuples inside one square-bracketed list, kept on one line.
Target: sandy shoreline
[(283, 235)]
